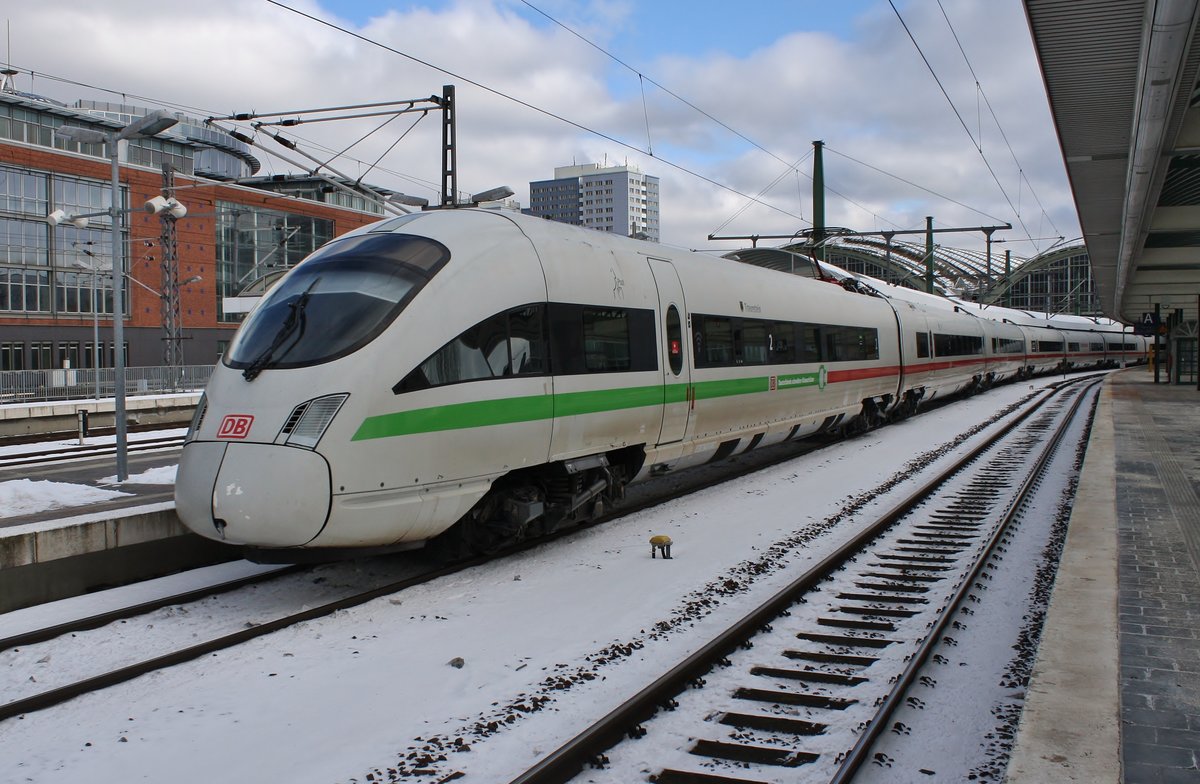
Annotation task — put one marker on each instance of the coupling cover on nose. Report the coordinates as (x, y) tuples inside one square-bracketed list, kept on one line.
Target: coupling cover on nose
[(271, 496)]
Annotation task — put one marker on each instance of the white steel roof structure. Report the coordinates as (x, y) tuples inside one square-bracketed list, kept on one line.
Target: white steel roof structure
[(1121, 78)]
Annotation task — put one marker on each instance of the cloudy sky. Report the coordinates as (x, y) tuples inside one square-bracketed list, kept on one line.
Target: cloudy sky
[(720, 100)]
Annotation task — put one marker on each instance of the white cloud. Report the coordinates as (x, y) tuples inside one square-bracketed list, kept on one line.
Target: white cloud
[(869, 96)]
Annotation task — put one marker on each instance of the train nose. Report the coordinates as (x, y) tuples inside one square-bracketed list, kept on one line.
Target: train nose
[(273, 496)]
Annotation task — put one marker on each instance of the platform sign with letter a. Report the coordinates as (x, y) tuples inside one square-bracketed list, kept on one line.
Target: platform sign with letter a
[(1147, 324)]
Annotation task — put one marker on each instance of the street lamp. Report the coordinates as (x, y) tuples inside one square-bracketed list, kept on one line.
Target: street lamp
[(95, 270), (148, 125)]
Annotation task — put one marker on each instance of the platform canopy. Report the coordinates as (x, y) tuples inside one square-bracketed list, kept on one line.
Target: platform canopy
[(1121, 76)]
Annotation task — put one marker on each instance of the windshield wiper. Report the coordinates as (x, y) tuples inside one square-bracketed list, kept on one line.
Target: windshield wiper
[(295, 318)]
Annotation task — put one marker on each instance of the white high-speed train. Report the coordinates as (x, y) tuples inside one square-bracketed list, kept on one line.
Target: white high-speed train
[(484, 376)]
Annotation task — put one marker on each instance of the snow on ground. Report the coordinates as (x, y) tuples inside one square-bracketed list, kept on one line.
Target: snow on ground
[(30, 619), (337, 698), (163, 475), (29, 496)]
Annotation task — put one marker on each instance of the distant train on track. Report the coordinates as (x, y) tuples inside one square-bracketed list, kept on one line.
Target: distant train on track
[(480, 377)]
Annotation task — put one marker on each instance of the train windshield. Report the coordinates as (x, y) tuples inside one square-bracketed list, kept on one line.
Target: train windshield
[(335, 301)]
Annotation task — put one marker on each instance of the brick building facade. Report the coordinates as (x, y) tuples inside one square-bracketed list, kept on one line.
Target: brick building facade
[(56, 280)]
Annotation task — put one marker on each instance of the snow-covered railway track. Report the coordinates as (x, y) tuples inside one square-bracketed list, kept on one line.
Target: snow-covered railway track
[(61, 454), (249, 631), (419, 571), (96, 620), (810, 678)]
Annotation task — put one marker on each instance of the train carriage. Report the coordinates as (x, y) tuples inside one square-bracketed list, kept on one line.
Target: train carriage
[(1006, 350), (1085, 349), (947, 351), (1045, 349), (781, 356), (476, 377)]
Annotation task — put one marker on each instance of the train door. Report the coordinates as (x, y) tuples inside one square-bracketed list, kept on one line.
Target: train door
[(677, 374)]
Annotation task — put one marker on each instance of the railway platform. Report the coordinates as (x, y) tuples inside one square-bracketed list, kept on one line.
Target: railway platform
[(82, 546), (61, 416), (1115, 694)]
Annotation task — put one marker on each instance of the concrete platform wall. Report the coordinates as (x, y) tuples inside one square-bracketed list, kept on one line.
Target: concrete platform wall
[(54, 563)]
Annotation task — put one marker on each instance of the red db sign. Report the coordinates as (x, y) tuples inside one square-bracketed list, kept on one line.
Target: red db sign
[(235, 426)]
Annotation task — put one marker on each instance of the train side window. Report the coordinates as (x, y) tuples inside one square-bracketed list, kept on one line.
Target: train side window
[(922, 345), (781, 340), (1008, 346), (714, 341), (810, 343), (674, 340), (832, 350), (479, 352), (527, 342), (506, 344), (868, 341), (750, 342), (605, 340), (643, 343), (957, 345), (598, 339), (850, 344)]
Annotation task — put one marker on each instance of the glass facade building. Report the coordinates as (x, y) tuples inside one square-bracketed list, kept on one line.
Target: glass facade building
[(56, 281)]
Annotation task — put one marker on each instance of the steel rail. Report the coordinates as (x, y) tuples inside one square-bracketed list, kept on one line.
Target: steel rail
[(55, 696), (569, 759), (52, 697), (86, 451), (109, 616), (69, 691), (858, 755)]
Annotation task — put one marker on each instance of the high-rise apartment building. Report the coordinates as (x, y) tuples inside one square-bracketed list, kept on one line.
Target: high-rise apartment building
[(618, 199)]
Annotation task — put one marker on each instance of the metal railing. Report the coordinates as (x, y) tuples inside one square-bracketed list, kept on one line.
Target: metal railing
[(33, 386)]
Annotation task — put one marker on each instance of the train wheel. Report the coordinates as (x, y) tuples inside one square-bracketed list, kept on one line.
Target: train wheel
[(477, 533)]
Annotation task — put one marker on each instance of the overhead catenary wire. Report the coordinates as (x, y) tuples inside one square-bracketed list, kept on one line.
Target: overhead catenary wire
[(897, 177), (648, 129), (646, 114), (975, 142), (789, 170), (199, 111), (995, 118), (642, 77), (526, 104)]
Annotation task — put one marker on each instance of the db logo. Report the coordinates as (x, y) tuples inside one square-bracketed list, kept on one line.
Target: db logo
[(235, 426)]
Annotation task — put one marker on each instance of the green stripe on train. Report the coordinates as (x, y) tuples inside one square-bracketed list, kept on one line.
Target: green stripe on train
[(458, 416)]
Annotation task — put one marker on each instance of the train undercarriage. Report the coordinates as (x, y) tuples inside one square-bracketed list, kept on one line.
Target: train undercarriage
[(536, 502)]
